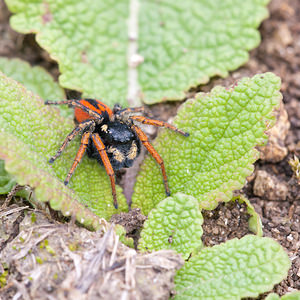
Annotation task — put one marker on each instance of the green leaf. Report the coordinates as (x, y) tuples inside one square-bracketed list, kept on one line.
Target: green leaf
[(235, 269), (7, 181), (176, 223), (30, 168), (121, 232), (36, 80), (225, 126), (255, 224), (290, 296), (182, 43), (88, 40), (186, 42), (31, 133), (272, 296)]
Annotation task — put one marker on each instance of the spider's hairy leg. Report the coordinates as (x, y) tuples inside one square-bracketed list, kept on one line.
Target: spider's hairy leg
[(144, 139), (157, 123), (131, 110), (107, 165), (71, 136), (83, 145), (76, 103), (50, 102)]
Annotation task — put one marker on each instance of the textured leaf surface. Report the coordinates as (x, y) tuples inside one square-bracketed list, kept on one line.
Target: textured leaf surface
[(88, 39), (272, 296), (7, 181), (121, 232), (30, 136), (36, 80), (290, 296), (186, 42), (215, 159), (30, 168), (176, 223), (235, 269), (183, 43)]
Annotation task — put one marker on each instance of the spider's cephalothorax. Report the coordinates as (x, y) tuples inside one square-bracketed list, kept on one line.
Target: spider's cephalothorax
[(111, 137)]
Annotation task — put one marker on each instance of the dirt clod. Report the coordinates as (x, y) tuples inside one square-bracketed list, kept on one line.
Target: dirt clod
[(132, 222), (269, 187), (275, 150)]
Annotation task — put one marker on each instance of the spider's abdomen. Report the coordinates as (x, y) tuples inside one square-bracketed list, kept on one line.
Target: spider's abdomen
[(121, 144)]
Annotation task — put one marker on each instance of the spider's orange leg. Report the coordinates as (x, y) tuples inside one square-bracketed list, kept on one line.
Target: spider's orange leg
[(131, 110), (144, 139), (76, 103), (83, 144), (157, 123), (107, 165), (70, 137)]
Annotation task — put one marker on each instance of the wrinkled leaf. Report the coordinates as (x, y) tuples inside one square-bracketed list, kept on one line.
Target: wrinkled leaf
[(176, 223), (36, 80), (7, 181), (272, 296), (30, 168), (30, 136), (121, 232), (225, 126), (88, 39), (235, 269), (186, 42), (182, 43), (290, 296)]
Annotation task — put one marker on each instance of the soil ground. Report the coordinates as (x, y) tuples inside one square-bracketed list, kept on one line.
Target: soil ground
[(278, 52)]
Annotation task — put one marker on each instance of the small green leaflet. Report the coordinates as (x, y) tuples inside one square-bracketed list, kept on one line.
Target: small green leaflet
[(176, 223), (255, 224), (233, 270)]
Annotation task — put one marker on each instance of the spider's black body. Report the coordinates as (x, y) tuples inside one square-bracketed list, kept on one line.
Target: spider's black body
[(111, 137), (121, 143)]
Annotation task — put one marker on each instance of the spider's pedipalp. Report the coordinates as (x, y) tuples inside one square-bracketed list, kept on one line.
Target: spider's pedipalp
[(144, 139), (83, 145), (70, 137), (157, 123), (107, 165)]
